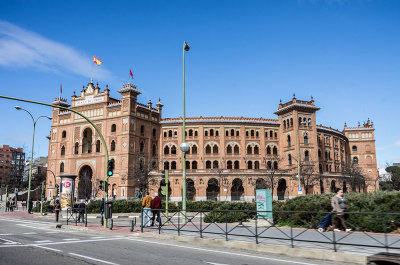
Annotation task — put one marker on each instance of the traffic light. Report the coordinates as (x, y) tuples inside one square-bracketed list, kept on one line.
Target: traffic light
[(110, 167), (163, 174), (101, 186), (43, 193)]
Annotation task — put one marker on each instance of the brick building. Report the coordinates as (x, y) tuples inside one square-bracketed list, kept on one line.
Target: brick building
[(11, 166), (228, 158)]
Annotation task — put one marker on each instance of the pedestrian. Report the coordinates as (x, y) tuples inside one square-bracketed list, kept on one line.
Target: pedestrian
[(102, 211), (51, 205), (155, 208), (81, 210), (30, 205), (146, 204), (57, 208), (339, 207), (7, 205)]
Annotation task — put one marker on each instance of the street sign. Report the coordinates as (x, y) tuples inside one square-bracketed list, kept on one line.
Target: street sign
[(300, 190)]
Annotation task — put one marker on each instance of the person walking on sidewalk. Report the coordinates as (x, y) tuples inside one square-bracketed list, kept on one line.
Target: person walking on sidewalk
[(339, 207), (57, 208), (81, 210), (102, 211), (146, 204), (155, 208)]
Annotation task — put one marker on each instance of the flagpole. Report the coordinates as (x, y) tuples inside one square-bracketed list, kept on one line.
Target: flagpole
[(91, 74)]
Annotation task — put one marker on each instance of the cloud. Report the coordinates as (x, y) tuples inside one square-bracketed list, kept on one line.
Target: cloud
[(22, 49)]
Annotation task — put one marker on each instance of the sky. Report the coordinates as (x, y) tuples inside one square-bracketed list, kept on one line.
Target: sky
[(245, 56)]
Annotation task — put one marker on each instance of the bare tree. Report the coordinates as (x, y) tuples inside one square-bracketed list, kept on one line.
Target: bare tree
[(142, 174), (273, 173), (354, 176), (224, 181)]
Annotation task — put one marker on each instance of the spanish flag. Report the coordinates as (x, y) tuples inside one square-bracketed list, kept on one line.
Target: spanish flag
[(97, 60)]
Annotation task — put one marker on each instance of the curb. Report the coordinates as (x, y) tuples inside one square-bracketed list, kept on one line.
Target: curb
[(306, 253)]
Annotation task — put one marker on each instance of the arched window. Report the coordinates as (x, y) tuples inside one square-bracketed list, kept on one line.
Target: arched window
[(205, 133), (252, 133), (166, 150), (236, 150), (354, 148), (173, 165), (142, 147), (306, 156), (63, 150), (269, 165), (309, 122), (216, 132), (142, 130), (355, 160), (113, 128), (284, 124), (62, 167), (211, 132), (187, 164), (275, 165), (299, 121), (87, 141), (208, 164), (194, 165), (256, 133), (170, 133), (112, 145), (237, 133), (256, 150), (268, 150), (247, 133), (249, 150), (166, 165), (256, 165), (288, 140), (215, 149), (208, 149), (276, 135), (229, 149), (320, 168), (64, 134), (306, 138), (154, 132), (194, 150), (98, 146), (165, 134), (154, 151), (215, 164), (173, 150), (227, 133), (232, 132), (195, 133), (319, 153), (250, 165), (275, 151), (76, 151), (229, 165), (190, 132), (175, 134), (236, 164), (291, 121), (141, 164), (270, 134), (290, 159)]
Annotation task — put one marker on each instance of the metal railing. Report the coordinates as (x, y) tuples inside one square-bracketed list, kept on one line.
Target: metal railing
[(75, 215), (297, 228)]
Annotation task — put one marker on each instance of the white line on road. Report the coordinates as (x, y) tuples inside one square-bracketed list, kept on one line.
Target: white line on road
[(212, 263), (30, 233), (6, 234), (53, 232), (71, 239), (221, 252), (98, 237), (52, 249), (9, 241), (90, 258), (43, 241)]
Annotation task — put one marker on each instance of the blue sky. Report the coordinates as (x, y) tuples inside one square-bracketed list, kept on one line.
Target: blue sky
[(245, 56)]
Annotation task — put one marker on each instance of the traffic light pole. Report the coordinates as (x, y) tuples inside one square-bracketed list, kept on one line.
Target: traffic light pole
[(166, 194), (91, 123), (41, 200)]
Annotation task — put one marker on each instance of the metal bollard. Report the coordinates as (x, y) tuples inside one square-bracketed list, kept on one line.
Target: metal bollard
[(111, 223), (133, 222)]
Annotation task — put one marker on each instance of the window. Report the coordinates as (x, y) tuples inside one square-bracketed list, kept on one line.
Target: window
[(275, 165), (112, 145), (249, 150), (226, 133), (252, 133), (170, 133), (208, 164), (211, 132), (237, 133), (64, 134), (165, 134), (236, 164), (187, 164), (166, 165), (256, 150), (319, 153), (208, 149), (269, 165), (288, 140), (215, 149), (63, 150), (173, 165), (268, 150), (229, 164), (190, 132), (354, 148), (275, 151), (232, 132), (76, 151), (166, 150), (276, 135), (306, 156), (270, 134), (256, 165), (142, 147), (61, 167), (229, 149), (175, 134), (247, 133), (195, 133), (113, 128), (216, 132), (98, 146), (154, 151), (355, 160), (215, 164), (256, 133), (194, 165), (306, 138), (173, 150), (290, 159), (284, 124), (142, 130), (205, 133), (236, 150), (154, 132), (194, 150)]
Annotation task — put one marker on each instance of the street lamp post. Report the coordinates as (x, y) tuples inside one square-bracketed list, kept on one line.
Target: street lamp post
[(298, 157), (30, 164), (184, 146)]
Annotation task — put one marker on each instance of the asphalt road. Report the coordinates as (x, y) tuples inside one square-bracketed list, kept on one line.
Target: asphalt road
[(26, 241)]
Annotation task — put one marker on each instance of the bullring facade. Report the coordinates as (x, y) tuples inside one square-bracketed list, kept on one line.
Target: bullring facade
[(228, 157)]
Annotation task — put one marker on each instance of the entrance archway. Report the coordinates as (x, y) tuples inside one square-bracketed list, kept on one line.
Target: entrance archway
[(85, 183), (191, 190), (237, 190), (333, 186), (212, 191), (281, 189)]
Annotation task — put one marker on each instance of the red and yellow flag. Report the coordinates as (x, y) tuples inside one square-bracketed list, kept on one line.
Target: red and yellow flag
[(97, 60)]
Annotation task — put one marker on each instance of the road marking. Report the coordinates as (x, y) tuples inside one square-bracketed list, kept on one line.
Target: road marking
[(90, 258), (52, 249), (8, 241), (52, 232), (71, 239), (98, 237), (212, 263), (6, 234), (43, 241), (30, 233), (220, 252)]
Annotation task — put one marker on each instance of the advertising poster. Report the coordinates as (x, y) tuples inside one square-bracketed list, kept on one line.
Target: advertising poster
[(66, 193), (264, 203)]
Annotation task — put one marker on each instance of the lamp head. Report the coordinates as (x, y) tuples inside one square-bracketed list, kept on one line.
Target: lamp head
[(48, 117), (184, 147), (186, 46), (18, 107)]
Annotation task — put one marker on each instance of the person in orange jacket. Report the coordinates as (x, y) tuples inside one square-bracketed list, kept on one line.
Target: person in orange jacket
[(146, 203)]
